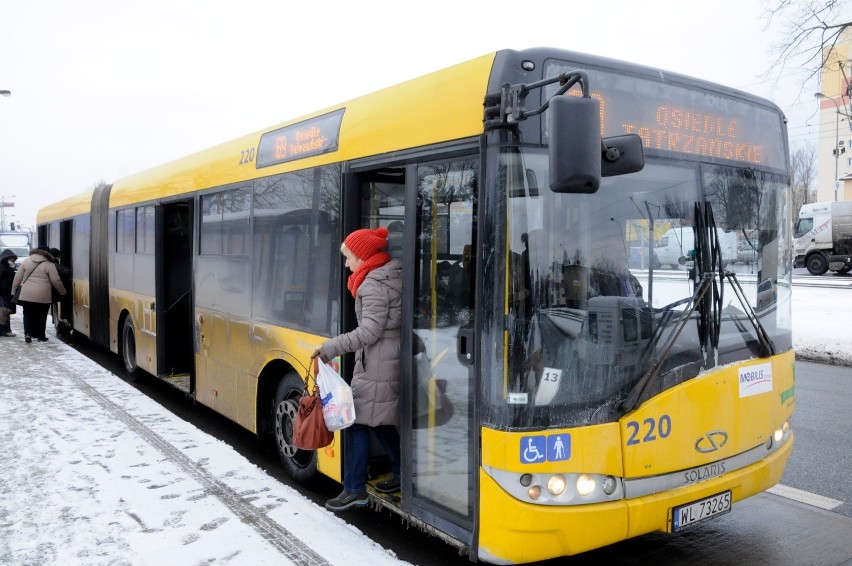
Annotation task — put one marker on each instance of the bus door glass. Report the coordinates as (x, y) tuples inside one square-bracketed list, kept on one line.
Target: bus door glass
[(441, 435)]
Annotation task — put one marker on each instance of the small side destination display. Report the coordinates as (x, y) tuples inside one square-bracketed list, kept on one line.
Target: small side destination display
[(312, 137)]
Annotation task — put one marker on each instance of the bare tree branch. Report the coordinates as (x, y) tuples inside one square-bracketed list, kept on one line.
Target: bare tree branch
[(811, 30)]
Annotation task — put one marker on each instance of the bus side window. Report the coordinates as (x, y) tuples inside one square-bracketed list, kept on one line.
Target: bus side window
[(395, 230)]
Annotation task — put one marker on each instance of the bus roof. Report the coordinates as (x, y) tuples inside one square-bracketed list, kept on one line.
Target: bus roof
[(410, 114), (66, 208), (441, 106)]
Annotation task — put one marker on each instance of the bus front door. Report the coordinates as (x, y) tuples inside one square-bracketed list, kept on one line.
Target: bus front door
[(438, 446)]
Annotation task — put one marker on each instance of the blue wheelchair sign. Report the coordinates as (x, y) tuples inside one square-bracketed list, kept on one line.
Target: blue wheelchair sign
[(541, 448)]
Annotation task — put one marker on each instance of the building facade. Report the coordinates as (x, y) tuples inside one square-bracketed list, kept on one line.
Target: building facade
[(834, 150)]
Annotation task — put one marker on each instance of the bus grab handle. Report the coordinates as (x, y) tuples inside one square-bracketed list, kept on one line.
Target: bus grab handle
[(464, 346)]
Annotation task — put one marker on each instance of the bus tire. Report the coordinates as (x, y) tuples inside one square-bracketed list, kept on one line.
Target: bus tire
[(817, 264), (300, 465), (128, 348)]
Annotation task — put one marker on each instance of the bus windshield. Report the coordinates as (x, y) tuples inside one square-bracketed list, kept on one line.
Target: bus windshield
[(588, 308)]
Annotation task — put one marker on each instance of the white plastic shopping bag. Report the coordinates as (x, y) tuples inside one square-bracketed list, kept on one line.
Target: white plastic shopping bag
[(338, 407)]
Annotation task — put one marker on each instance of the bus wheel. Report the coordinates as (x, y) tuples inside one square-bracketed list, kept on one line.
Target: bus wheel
[(300, 465), (128, 347), (816, 264)]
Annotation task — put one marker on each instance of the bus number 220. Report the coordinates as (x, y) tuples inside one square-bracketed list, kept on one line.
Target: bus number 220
[(652, 428)]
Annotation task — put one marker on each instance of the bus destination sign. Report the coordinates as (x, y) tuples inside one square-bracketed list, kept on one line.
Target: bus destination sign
[(314, 136), (680, 119), (698, 133)]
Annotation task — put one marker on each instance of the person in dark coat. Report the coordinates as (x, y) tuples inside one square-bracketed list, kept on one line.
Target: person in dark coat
[(37, 276), (376, 284), (63, 309), (7, 275)]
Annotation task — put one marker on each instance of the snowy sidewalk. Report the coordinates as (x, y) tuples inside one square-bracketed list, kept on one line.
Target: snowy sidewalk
[(94, 472)]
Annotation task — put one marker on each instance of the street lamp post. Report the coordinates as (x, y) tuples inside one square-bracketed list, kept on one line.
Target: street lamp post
[(3, 205), (837, 152)]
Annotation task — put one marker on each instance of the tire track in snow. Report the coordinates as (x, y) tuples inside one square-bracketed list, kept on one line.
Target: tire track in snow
[(279, 537)]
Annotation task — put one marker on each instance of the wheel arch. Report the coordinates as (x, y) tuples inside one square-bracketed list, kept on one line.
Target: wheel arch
[(119, 343), (267, 384)]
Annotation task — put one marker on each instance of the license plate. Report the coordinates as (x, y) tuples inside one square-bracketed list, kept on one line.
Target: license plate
[(701, 510)]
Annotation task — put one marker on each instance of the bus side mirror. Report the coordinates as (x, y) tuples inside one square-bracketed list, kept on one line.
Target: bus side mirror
[(630, 156), (578, 156), (574, 133)]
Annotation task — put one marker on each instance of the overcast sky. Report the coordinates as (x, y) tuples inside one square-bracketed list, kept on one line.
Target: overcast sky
[(102, 89)]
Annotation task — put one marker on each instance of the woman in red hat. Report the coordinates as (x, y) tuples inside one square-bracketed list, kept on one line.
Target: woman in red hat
[(376, 284)]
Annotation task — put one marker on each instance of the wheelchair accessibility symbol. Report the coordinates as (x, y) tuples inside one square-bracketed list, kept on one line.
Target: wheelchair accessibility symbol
[(551, 448)]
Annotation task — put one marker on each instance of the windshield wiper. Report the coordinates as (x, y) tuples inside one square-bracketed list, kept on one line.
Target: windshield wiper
[(653, 370), (766, 345)]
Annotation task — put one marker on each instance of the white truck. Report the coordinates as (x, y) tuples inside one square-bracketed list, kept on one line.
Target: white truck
[(823, 237), (674, 247)]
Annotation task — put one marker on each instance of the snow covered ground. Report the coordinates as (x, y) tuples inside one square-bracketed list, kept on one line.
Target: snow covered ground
[(94, 472)]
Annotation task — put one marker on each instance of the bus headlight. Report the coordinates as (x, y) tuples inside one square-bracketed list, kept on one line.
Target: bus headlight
[(782, 431), (556, 484), (554, 488), (534, 492), (778, 436), (585, 484)]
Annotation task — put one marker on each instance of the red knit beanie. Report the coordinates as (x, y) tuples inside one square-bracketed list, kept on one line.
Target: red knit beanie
[(366, 243)]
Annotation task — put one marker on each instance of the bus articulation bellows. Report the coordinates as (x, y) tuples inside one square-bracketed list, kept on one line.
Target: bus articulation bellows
[(559, 392)]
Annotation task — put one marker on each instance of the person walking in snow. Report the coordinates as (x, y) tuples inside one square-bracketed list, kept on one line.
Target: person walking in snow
[(37, 275)]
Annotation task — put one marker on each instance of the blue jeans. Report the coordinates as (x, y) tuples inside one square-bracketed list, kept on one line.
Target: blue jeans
[(357, 454)]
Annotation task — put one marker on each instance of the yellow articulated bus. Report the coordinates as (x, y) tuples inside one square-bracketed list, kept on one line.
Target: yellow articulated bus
[(559, 392)]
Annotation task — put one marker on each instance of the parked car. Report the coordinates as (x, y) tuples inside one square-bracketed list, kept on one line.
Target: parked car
[(766, 294), (746, 253)]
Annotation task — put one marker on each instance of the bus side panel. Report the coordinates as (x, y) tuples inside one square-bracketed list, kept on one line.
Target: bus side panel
[(137, 307)]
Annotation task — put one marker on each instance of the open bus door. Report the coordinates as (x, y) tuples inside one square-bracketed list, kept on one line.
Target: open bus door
[(174, 302), (430, 211)]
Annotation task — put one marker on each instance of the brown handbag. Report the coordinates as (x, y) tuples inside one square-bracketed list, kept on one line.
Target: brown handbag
[(309, 430)]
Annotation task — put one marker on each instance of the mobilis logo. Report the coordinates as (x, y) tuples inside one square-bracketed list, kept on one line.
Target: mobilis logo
[(755, 379)]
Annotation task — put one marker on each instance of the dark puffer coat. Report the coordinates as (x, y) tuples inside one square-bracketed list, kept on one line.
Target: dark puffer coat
[(375, 378), (7, 275)]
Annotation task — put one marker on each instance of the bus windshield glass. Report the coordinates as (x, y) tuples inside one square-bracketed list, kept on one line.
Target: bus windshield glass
[(588, 307)]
